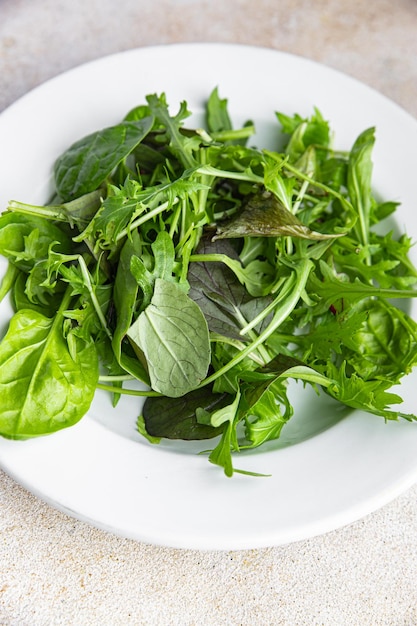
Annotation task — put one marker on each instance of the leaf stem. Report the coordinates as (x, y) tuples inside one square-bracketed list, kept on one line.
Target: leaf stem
[(129, 392)]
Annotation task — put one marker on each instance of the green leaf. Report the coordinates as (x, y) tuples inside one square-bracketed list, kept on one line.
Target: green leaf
[(89, 161), (334, 287), (222, 453), (43, 388), (225, 302), (264, 418), (163, 266), (177, 418), (164, 255), (265, 216), (366, 395), (26, 239), (173, 335), (304, 132), (8, 280), (124, 297), (181, 146), (359, 181), (217, 114), (387, 343)]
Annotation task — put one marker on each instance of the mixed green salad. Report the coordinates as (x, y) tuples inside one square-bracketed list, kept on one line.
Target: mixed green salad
[(210, 271)]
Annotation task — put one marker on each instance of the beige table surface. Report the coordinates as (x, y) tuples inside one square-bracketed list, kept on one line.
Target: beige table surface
[(55, 570)]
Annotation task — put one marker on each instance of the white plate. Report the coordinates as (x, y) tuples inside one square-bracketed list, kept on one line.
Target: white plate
[(331, 467)]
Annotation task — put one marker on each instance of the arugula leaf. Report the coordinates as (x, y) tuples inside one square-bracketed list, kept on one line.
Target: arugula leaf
[(218, 118), (359, 181), (227, 416), (264, 418), (180, 145)]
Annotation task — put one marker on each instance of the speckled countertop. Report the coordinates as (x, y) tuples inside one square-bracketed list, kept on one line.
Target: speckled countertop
[(55, 570)]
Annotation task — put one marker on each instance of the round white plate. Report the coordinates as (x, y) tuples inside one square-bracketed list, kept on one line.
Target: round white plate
[(331, 467)]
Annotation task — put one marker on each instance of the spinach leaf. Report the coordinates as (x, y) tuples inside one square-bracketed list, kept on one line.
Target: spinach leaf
[(26, 239), (176, 418), (43, 386), (88, 162), (387, 342)]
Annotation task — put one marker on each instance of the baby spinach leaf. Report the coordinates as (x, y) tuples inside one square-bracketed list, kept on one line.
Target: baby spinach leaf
[(88, 162), (173, 335), (43, 388), (175, 418), (26, 239)]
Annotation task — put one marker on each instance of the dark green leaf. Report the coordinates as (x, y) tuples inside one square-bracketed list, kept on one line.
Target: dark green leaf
[(124, 298), (89, 161), (175, 418)]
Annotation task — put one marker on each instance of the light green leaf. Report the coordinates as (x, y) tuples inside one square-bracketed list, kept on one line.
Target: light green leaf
[(173, 335), (42, 388)]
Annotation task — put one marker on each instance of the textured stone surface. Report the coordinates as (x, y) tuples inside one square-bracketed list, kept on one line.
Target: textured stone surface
[(57, 571)]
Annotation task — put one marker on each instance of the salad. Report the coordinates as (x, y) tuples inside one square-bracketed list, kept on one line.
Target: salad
[(211, 271)]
